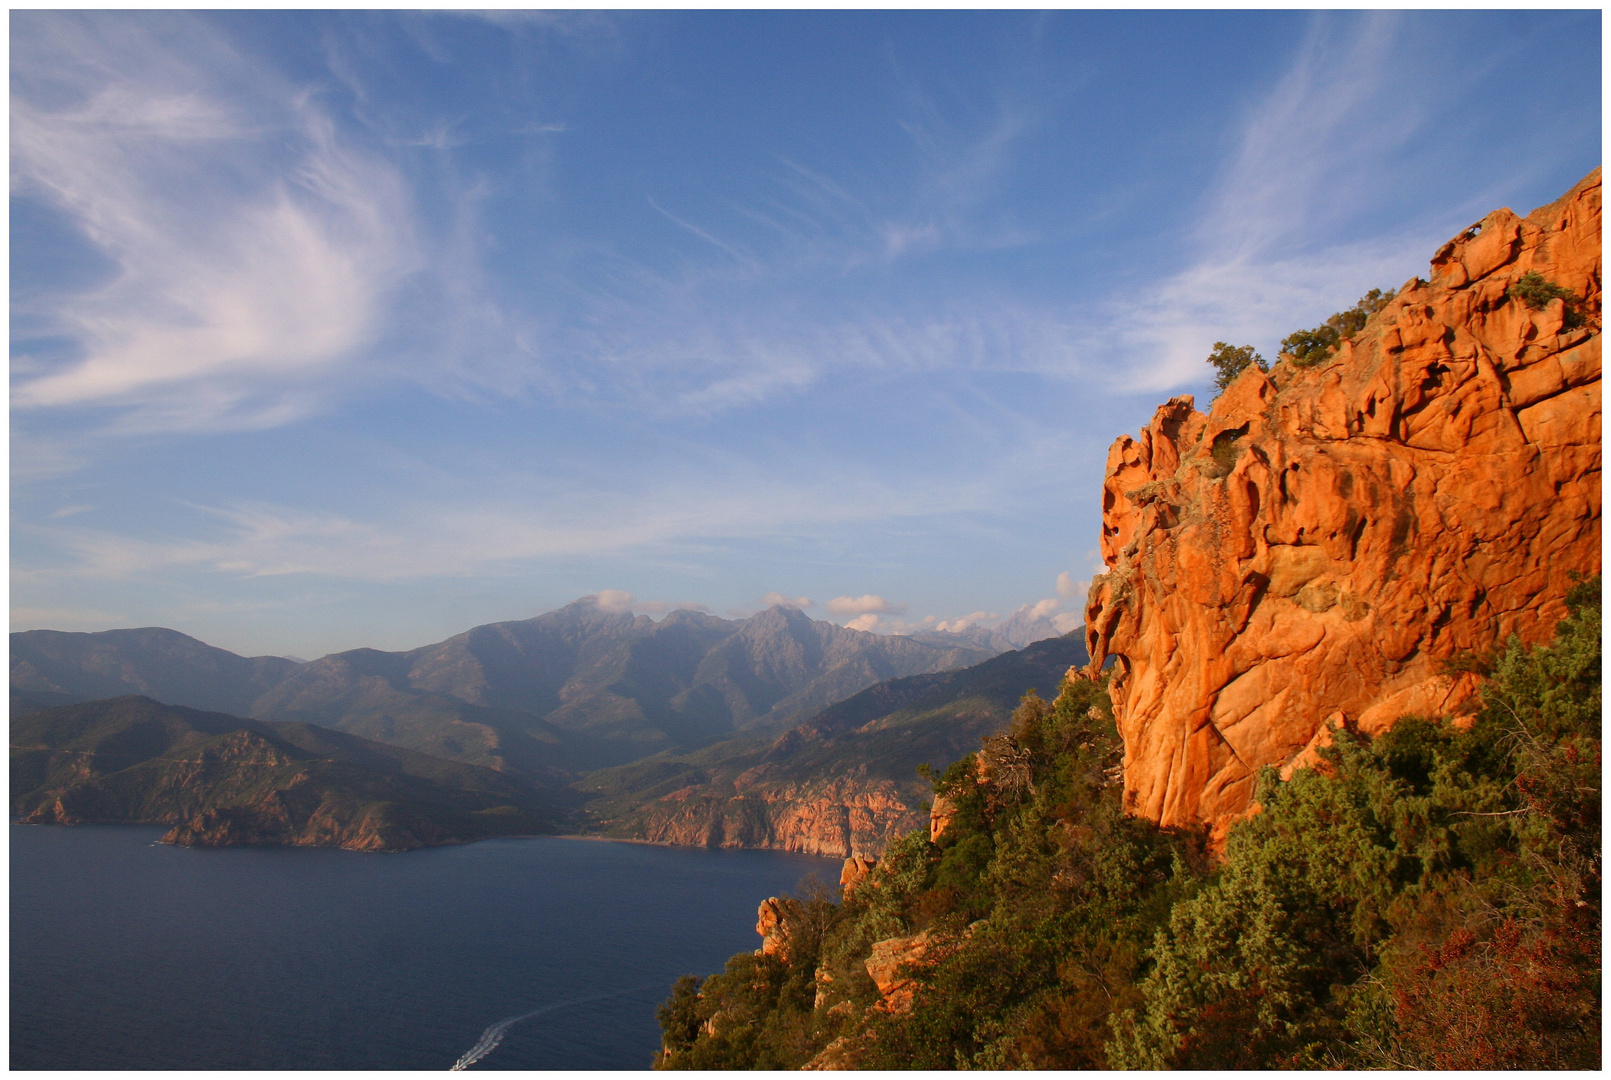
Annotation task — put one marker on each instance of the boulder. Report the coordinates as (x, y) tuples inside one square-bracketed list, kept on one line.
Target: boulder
[(941, 814)]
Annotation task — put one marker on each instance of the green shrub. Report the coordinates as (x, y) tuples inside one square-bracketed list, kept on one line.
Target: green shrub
[(1536, 292), (1310, 347), (1432, 903), (1229, 361)]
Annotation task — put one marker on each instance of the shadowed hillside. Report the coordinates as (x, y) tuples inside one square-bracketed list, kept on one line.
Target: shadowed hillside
[(223, 780)]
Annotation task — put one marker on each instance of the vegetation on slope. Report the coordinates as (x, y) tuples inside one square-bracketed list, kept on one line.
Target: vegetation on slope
[(1430, 898), (735, 791)]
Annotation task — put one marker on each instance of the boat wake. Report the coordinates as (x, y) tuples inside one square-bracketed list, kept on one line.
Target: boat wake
[(491, 1037)]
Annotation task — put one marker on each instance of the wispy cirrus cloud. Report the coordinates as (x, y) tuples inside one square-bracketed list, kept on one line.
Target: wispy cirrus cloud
[(1282, 237), (252, 246), (465, 538), (1321, 149)]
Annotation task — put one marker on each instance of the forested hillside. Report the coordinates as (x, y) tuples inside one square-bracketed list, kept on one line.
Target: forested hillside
[(1428, 898)]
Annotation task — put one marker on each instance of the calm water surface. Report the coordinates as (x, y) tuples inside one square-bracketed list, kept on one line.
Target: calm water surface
[(127, 954)]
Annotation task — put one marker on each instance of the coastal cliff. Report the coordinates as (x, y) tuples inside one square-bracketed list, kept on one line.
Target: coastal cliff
[(839, 817), (1341, 543)]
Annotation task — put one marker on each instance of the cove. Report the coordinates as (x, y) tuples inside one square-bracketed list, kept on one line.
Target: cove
[(128, 954)]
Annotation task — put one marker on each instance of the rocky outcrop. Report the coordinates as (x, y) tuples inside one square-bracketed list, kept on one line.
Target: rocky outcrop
[(1324, 540), (941, 814), (853, 873), (890, 964), (845, 1052), (895, 963), (776, 922)]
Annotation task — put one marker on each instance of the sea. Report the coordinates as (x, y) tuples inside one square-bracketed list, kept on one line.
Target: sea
[(520, 953)]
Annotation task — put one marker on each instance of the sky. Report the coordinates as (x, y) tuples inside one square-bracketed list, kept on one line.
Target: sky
[(342, 329)]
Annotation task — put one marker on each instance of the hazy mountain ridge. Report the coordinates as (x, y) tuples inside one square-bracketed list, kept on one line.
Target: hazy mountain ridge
[(151, 660), (225, 780), (572, 689)]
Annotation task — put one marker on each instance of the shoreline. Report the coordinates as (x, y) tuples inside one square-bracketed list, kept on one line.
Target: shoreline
[(594, 837)]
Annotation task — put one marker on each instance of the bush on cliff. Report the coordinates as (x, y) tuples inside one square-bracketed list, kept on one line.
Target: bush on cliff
[(1428, 899), (1229, 361), (1052, 925), (1433, 902), (1536, 291), (1309, 347)]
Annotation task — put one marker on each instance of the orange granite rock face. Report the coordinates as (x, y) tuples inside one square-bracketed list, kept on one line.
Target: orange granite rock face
[(1314, 548), (775, 922), (840, 818), (890, 965)]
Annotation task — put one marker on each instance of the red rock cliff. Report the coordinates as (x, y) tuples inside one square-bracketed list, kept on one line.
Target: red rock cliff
[(1315, 546)]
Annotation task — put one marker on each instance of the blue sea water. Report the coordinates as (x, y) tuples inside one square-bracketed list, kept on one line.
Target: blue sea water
[(128, 954)]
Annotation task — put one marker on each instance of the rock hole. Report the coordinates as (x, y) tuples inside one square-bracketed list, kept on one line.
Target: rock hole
[(1224, 449), (1434, 377)]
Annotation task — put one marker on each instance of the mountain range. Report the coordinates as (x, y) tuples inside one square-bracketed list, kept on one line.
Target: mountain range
[(1023, 627), (570, 690)]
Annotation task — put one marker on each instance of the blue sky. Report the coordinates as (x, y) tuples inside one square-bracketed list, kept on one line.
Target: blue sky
[(342, 329)]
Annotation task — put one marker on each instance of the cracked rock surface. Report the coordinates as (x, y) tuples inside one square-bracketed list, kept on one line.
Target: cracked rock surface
[(1317, 546)]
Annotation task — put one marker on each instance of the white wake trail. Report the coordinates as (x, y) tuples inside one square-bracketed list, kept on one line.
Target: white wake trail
[(491, 1037)]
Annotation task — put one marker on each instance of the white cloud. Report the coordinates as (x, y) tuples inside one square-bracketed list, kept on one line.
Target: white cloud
[(965, 622), (1067, 621), (781, 599), (1076, 591), (253, 248), (617, 601), (662, 607), (1043, 608), (860, 605), (863, 622), (1310, 156)]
